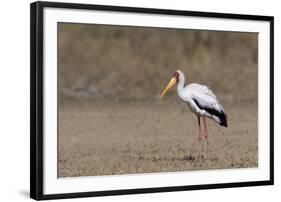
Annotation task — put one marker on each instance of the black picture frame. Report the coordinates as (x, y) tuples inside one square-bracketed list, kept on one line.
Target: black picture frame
[(37, 98)]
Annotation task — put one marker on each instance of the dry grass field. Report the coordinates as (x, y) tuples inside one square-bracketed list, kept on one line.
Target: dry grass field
[(106, 139), (111, 120)]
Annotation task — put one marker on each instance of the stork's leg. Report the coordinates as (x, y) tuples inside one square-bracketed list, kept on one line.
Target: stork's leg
[(199, 138), (206, 137)]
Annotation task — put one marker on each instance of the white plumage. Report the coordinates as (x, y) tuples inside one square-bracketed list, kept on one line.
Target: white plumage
[(200, 99)]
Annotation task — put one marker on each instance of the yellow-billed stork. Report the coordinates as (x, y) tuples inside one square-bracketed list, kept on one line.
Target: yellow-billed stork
[(201, 101)]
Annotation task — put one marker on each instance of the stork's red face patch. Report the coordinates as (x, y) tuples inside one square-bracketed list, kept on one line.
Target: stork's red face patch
[(177, 76)]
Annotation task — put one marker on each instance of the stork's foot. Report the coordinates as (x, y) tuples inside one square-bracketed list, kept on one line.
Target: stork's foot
[(202, 159), (204, 153), (201, 156)]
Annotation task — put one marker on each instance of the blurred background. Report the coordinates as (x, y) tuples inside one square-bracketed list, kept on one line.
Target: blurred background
[(121, 64), (111, 120)]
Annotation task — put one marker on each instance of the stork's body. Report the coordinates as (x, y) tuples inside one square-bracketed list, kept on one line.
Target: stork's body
[(202, 101)]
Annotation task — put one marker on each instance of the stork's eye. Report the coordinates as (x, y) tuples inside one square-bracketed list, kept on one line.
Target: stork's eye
[(176, 75)]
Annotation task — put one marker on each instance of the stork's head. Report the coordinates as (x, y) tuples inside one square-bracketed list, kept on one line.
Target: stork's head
[(176, 78)]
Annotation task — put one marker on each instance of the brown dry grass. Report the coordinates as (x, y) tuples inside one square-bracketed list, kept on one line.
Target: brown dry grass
[(106, 139)]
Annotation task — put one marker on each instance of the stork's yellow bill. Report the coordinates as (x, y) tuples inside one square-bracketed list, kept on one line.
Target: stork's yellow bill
[(170, 85)]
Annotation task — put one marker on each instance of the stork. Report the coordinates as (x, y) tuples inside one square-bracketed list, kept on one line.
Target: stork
[(201, 101)]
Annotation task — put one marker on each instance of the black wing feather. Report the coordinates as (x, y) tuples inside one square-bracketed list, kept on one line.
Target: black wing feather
[(220, 114)]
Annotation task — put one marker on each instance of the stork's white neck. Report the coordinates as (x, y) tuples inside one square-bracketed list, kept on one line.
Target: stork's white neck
[(181, 82), (180, 86)]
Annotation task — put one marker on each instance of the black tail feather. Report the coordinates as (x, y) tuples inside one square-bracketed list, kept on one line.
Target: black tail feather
[(220, 114), (223, 120)]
